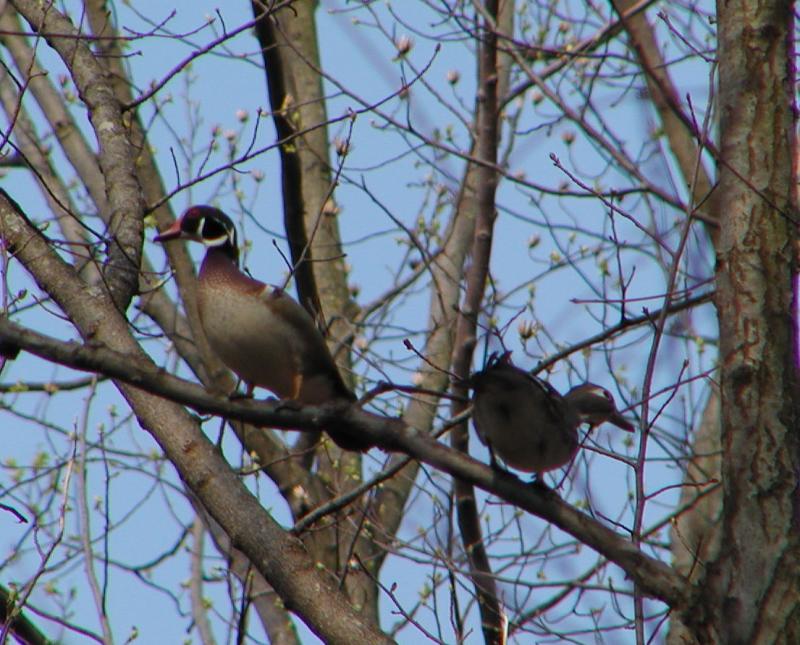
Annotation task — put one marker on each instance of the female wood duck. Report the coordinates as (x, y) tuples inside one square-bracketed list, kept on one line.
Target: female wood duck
[(256, 329), (526, 422)]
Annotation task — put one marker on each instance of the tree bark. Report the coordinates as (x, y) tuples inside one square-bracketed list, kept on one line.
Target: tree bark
[(751, 593)]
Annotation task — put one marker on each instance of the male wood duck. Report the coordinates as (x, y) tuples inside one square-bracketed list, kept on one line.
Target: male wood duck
[(527, 423), (256, 329)]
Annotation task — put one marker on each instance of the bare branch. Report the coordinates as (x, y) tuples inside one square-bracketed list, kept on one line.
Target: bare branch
[(654, 577), (116, 158)]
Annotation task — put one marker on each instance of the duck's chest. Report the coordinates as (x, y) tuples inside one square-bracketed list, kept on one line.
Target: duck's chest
[(249, 337)]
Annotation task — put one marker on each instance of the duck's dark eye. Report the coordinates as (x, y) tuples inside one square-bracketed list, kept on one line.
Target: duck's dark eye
[(212, 229)]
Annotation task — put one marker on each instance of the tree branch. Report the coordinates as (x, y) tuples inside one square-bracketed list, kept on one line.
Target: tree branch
[(21, 626), (655, 578), (487, 137), (117, 161), (283, 561)]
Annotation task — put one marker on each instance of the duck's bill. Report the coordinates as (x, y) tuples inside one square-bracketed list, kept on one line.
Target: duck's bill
[(622, 423), (172, 233)]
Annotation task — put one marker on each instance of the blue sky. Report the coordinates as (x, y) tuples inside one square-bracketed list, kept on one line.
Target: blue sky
[(214, 97)]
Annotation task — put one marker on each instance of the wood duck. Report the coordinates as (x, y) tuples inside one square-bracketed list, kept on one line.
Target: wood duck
[(527, 423), (256, 329)]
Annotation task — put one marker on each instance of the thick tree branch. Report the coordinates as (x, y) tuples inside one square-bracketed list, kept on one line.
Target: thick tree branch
[(117, 161), (280, 76), (283, 561), (487, 128), (276, 620), (656, 578)]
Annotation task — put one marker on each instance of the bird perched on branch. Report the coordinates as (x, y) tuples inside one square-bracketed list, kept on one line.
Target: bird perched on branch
[(256, 329), (527, 423)]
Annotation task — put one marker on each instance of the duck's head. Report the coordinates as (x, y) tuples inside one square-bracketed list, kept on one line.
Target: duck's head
[(207, 225)]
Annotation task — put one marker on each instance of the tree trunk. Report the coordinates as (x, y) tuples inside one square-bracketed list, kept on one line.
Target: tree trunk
[(751, 591)]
